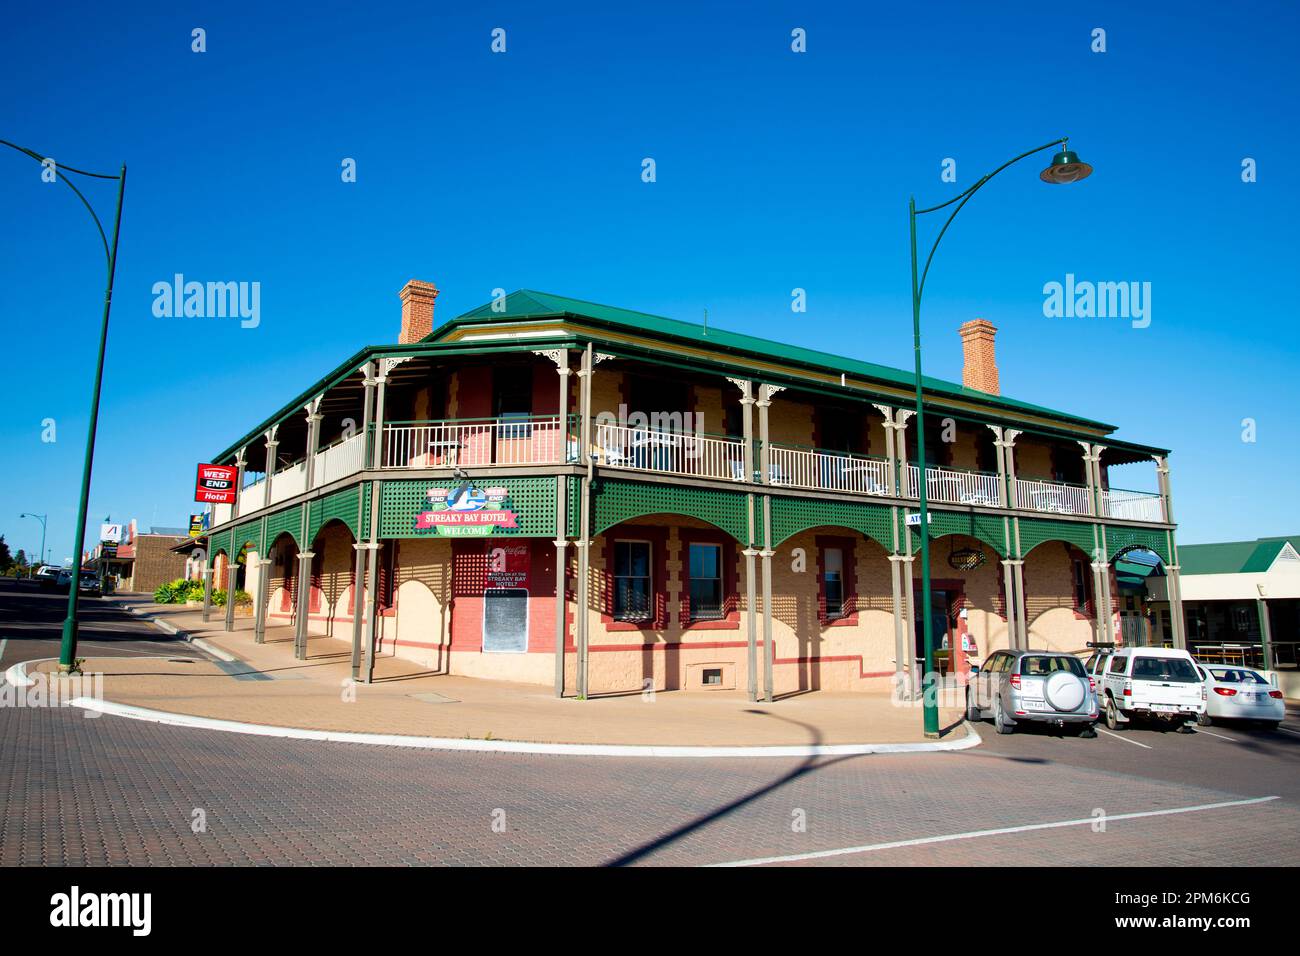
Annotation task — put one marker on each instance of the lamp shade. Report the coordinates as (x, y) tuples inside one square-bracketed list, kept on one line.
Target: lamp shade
[(1065, 168)]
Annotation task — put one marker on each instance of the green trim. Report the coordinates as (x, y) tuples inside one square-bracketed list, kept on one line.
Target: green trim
[(1119, 538), (615, 500), (1036, 531), (987, 529), (288, 522), (790, 516), (339, 506)]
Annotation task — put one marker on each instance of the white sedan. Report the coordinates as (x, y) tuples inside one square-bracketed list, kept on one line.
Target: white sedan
[(1239, 693)]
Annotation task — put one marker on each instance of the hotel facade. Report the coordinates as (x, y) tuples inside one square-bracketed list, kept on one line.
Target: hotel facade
[(551, 491)]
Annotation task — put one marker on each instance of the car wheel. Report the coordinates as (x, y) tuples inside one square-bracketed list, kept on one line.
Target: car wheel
[(1088, 731), (1000, 722), (972, 712), (1272, 724), (1112, 715), (1203, 720)]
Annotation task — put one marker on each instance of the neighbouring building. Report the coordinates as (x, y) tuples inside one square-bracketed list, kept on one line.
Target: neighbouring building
[(558, 492), (1241, 601), (144, 559)]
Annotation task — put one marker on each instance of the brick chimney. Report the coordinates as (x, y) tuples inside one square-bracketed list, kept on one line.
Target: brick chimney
[(417, 310), (979, 369)]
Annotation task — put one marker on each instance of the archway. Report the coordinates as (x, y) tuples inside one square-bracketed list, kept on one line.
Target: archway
[(331, 599)]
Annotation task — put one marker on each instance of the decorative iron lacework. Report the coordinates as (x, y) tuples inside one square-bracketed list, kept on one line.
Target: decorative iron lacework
[(287, 521), (1035, 531), (1120, 538), (984, 528), (342, 505), (531, 501), (792, 515), (615, 500)]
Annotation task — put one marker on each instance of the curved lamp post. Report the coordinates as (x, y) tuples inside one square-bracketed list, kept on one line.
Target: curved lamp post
[(68, 651), (1064, 168), (41, 519)]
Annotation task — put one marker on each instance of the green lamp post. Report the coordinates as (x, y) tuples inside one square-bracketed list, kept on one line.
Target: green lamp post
[(1064, 168), (42, 520), (68, 650)]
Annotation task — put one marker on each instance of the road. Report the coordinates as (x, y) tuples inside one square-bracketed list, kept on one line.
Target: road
[(110, 790)]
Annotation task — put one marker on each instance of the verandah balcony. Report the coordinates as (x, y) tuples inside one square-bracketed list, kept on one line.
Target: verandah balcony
[(551, 440)]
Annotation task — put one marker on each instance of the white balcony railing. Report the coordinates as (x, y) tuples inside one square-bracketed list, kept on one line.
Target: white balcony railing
[(1132, 505), (827, 471), (476, 443), (954, 487), (342, 458), (289, 482), (669, 452), (1053, 497)]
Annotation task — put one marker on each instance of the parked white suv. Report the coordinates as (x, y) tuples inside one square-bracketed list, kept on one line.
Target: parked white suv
[(1153, 683)]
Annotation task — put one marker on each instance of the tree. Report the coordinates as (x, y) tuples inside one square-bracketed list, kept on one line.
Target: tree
[(6, 558)]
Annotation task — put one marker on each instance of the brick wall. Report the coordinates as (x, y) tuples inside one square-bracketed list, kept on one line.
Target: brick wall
[(155, 564)]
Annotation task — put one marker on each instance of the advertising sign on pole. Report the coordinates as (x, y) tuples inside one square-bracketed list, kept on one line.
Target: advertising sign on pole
[(216, 484)]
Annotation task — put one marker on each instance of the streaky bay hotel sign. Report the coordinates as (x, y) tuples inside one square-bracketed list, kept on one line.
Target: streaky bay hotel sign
[(465, 511)]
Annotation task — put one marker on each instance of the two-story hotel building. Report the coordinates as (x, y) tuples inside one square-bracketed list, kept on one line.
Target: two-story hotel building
[(552, 491)]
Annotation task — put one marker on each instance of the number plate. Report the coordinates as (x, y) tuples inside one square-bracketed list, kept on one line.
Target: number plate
[(1034, 704), (1164, 708)]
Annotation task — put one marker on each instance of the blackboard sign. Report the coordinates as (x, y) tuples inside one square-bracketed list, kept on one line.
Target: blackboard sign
[(505, 620)]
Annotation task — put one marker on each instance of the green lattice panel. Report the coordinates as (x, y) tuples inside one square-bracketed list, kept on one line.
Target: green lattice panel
[(792, 515), (246, 533), (219, 542), (615, 500), (342, 505), (367, 492), (981, 527), (289, 520), (574, 507), (1035, 531), (531, 499), (1119, 538)]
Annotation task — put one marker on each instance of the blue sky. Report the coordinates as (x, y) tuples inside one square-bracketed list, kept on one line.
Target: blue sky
[(775, 170)]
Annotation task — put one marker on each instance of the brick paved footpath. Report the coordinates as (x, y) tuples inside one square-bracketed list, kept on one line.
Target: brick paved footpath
[(407, 699)]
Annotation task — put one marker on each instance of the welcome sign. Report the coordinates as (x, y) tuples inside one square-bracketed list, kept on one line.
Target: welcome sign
[(466, 512)]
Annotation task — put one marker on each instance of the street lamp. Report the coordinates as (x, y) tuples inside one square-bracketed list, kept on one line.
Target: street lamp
[(1064, 168), (41, 519), (68, 651)]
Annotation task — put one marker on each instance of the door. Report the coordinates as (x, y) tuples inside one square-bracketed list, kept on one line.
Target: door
[(941, 624)]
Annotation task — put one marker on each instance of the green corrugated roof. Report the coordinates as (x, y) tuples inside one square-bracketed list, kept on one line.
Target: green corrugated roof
[(529, 304), (1233, 557)]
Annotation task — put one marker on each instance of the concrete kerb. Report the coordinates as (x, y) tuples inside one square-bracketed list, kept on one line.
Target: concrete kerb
[(169, 628), (971, 739)]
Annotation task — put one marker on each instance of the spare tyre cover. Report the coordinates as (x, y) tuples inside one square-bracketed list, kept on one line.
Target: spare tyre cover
[(1064, 691)]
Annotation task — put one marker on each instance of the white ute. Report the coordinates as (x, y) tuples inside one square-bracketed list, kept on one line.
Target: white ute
[(1153, 683)]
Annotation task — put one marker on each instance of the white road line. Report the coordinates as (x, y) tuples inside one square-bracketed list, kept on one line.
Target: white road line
[(1291, 732), (3, 644), (973, 834), (1125, 739), (1233, 740)]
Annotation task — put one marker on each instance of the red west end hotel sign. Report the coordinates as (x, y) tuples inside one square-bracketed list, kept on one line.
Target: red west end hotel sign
[(216, 484)]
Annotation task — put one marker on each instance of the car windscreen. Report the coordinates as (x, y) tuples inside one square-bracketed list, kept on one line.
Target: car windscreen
[(1045, 665), (1165, 668), (1237, 677)]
